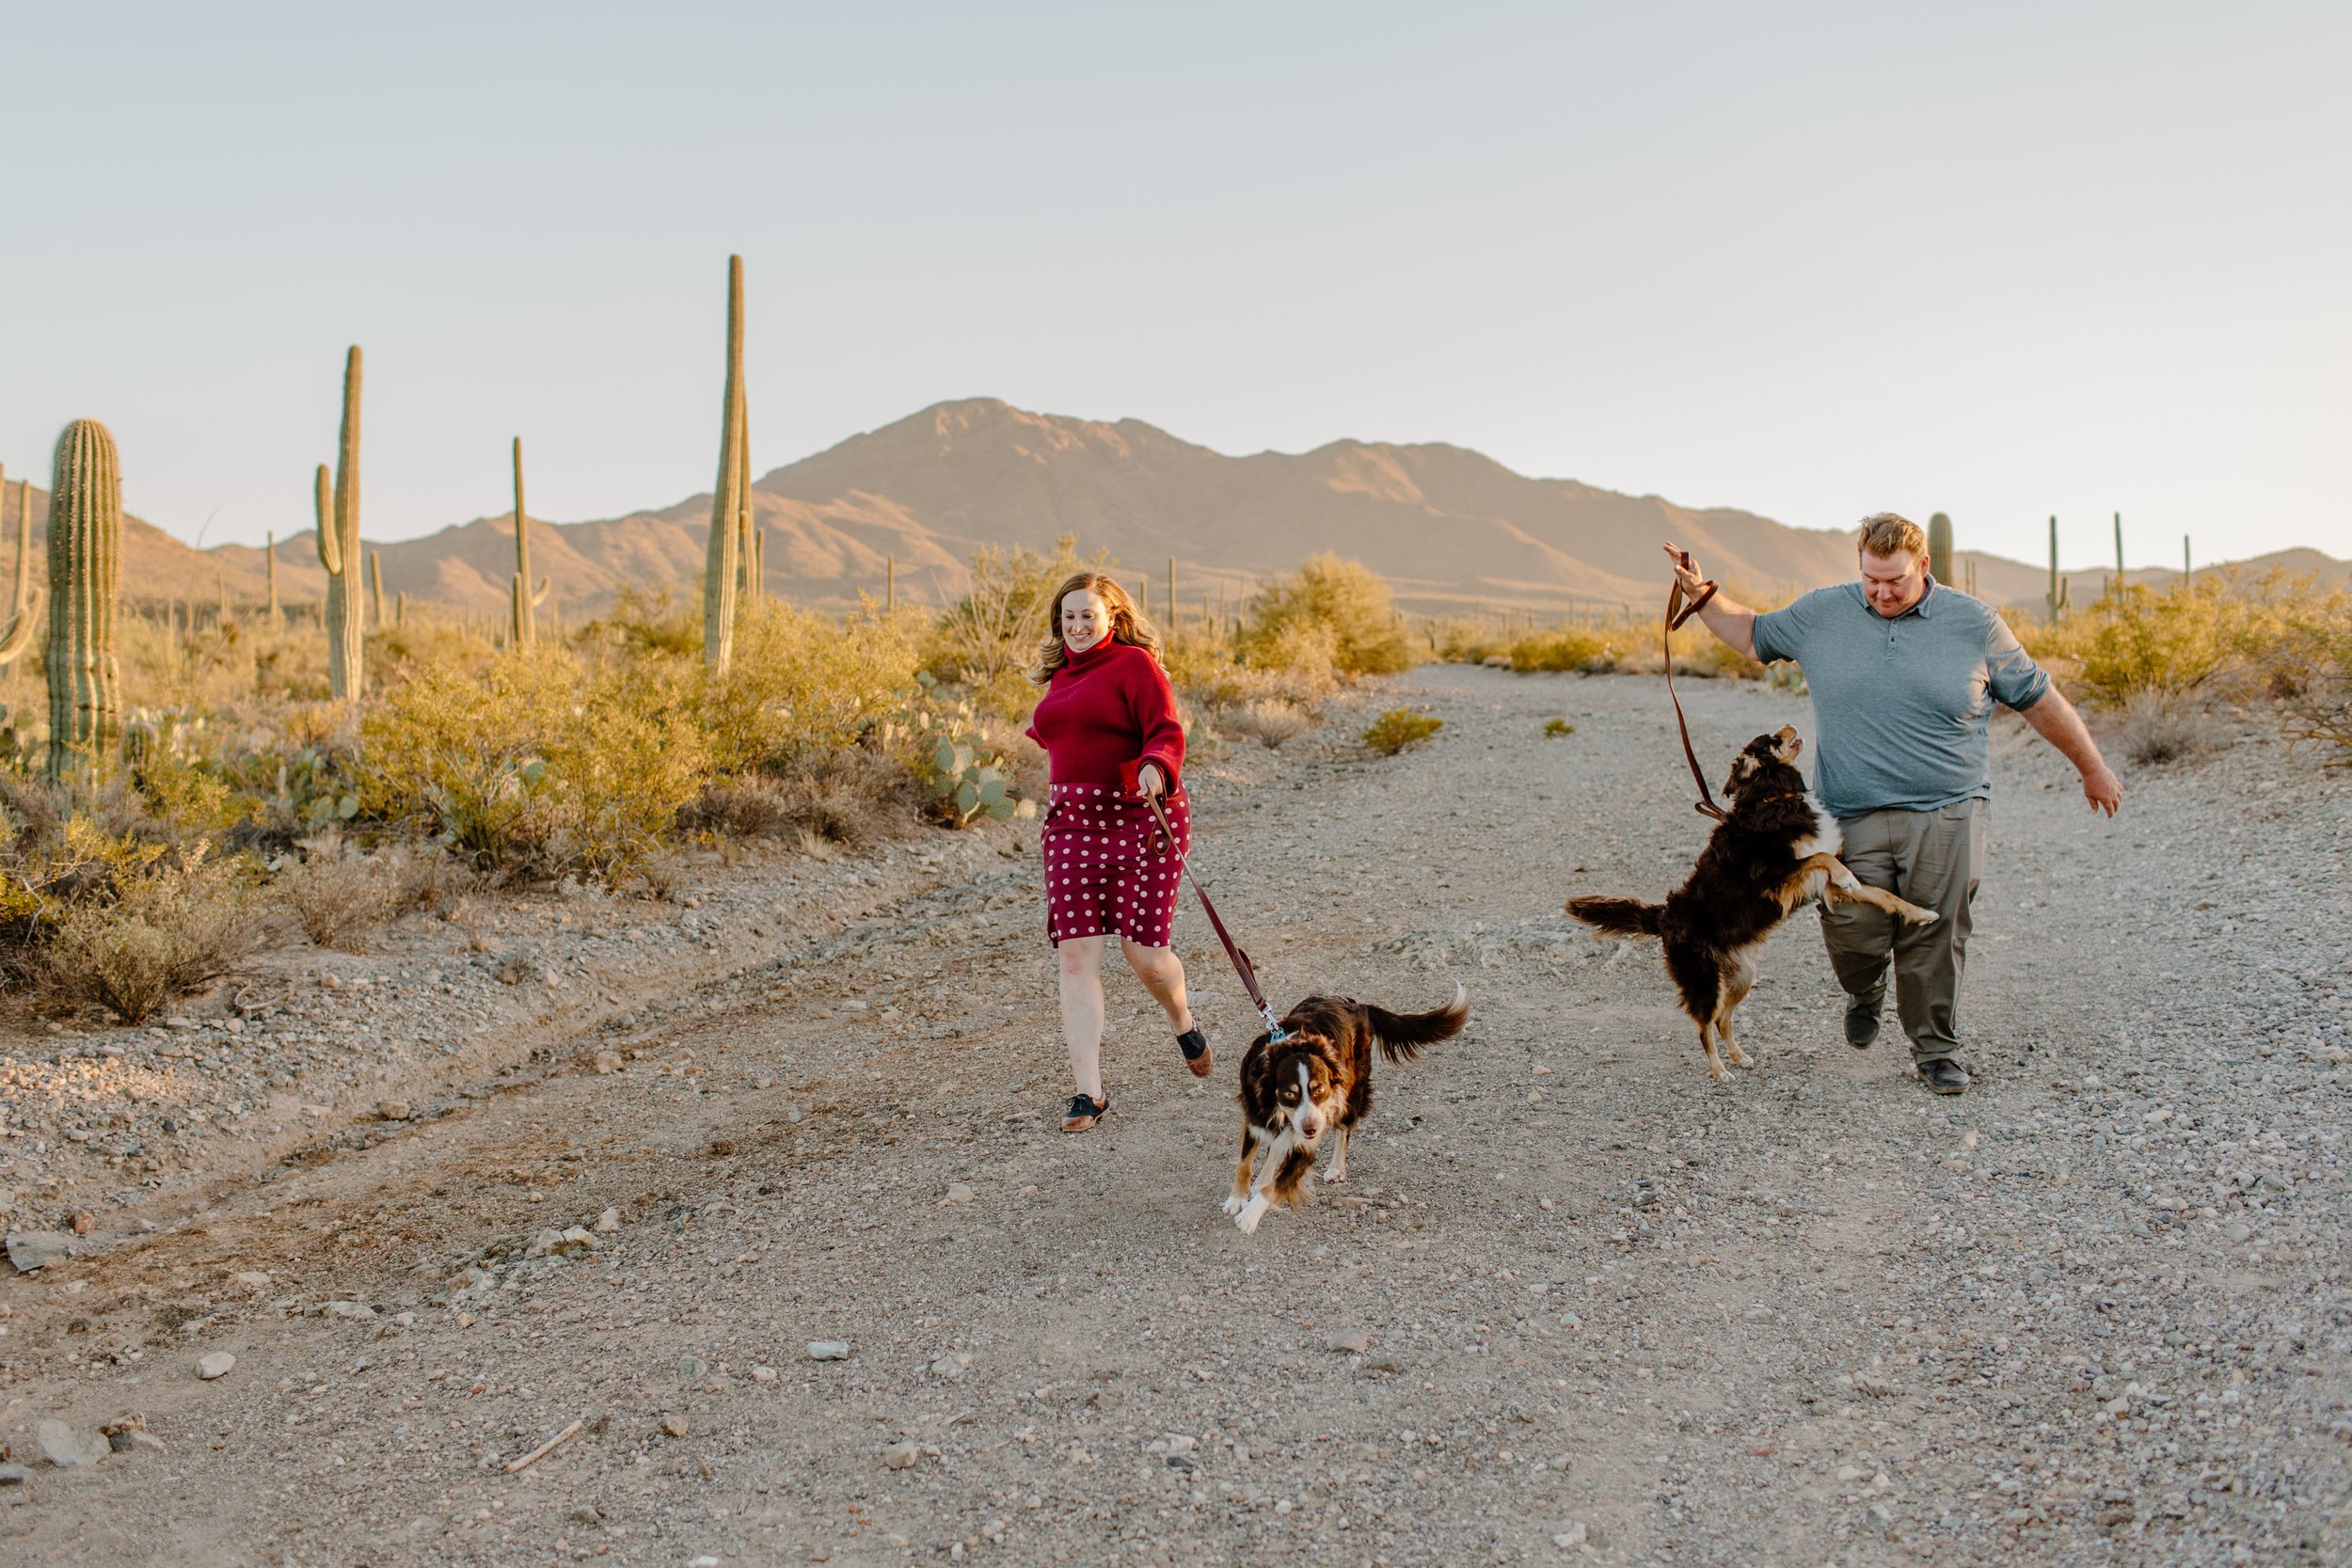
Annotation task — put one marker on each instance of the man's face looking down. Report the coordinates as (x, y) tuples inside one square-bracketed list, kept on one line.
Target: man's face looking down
[(1894, 582)]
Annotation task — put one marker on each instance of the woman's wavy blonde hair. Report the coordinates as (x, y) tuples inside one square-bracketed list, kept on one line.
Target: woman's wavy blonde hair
[(1127, 624)]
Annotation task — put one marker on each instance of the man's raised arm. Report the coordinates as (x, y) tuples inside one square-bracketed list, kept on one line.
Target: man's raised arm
[(1734, 623)]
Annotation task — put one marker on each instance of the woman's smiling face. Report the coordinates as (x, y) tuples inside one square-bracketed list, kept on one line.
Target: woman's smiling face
[(1086, 620)]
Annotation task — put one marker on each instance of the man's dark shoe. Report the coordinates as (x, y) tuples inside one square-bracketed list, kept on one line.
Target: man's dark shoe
[(1943, 1075), (1862, 1022)]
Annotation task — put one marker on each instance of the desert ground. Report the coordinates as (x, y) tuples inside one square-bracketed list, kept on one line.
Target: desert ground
[(755, 1201)]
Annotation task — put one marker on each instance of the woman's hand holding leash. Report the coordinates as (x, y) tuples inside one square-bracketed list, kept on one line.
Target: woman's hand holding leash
[(1148, 780)]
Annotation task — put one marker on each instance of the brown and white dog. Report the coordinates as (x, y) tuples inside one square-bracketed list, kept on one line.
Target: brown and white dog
[(1317, 1078), (1776, 850)]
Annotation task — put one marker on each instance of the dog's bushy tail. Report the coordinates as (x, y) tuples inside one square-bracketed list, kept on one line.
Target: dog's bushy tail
[(1623, 917), (1403, 1034)]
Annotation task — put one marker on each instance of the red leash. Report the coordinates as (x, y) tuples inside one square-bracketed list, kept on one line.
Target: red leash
[(1677, 614), (1233, 949)]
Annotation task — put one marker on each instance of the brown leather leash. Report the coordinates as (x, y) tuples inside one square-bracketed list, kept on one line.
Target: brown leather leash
[(1275, 1033), (1677, 612)]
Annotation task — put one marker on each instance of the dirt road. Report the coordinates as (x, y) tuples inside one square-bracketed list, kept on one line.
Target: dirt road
[(1576, 1304)]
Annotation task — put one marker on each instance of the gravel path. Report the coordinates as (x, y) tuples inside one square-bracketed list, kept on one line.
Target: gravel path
[(1575, 1305)]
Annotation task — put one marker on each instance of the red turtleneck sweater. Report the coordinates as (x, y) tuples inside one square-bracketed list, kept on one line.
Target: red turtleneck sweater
[(1105, 713)]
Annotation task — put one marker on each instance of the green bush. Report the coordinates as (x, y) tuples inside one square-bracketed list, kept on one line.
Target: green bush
[(802, 683), (1399, 728), (1557, 728), (533, 768), (1330, 612), (1567, 649), (171, 922)]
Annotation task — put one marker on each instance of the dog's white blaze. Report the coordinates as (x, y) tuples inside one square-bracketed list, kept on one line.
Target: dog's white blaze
[(1308, 1110)]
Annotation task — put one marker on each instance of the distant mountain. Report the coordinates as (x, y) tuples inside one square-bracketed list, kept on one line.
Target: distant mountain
[(1451, 530)]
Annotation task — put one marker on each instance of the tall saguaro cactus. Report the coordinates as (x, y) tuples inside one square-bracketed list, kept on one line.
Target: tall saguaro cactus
[(722, 564), (85, 571), (338, 547), (2058, 594), (2119, 555), (270, 557), (1940, 549), (24, 608), (523, 625), (375, 584)]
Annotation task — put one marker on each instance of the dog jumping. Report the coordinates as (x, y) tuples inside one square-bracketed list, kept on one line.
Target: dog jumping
[(1316, 1078), (1774, 850)]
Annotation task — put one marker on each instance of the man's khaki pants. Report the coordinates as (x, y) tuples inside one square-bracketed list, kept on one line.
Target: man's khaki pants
[(1932, 858)]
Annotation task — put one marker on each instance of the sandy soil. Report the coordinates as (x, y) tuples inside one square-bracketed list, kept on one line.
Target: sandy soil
[(1576, 1304)]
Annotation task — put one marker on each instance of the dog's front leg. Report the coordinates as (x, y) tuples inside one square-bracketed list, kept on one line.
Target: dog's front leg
[(1254, 1210), (1878, 898), (1338, 1159), (1240, 1194)]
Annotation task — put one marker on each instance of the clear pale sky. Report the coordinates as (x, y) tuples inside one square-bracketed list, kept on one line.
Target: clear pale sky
[(1814, 260)]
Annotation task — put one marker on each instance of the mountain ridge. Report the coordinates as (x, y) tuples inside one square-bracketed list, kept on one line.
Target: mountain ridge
[(1452, 529)]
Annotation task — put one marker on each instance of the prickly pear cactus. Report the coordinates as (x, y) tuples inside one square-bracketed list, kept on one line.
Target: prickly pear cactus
[(963, 778), (85, 571)]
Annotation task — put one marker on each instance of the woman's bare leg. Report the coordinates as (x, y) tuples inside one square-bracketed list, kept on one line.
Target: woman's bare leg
[(1081, 966), (1162, 974)]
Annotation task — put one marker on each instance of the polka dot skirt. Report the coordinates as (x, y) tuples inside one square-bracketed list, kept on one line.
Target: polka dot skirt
[(1101, 874)]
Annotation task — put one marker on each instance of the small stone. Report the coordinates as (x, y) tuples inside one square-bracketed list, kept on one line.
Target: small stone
[(83, 1222), (900, 1456), (14, 1475), (68, 1447), (607, 1221), (1355, 1341), (37, 1249), (763, 1374), (1574, 1536), (351, 1310), (959, 1192), (251, 1280), (676, 1426), (608, 1062), (1852, 1473), (853, 1006), (2237, 1231), (689, 1369), (829, 1350), (392, 1110), (219, 1364)]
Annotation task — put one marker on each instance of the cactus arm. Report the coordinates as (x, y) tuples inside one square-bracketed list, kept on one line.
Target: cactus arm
[(720, 567), (540, 595), (331, 545), (524, 628), (19, 636)]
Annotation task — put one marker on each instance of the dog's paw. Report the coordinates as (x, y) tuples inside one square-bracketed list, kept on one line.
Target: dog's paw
[(1921, 917), (1717, 1073), (1846, 880), (1233, 1204), (1335, 1174), (1250, 1214)]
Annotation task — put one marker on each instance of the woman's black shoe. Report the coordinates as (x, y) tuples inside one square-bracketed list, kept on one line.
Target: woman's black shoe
[(1195, 1046), (1084, 1112)]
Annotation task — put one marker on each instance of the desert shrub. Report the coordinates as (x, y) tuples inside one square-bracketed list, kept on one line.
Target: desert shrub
[(335, 896), (2153, 727), (1712, 659), (174, 920), (1399, 728), (648, 623), (2142, 640), (533, 768), (1269, 721), (1333, 612), (1558, 728), (2305, 663), (802, 683), (1566, 649), (851, 796)]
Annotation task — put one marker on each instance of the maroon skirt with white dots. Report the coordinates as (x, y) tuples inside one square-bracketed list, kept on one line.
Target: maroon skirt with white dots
[(1107, 869)]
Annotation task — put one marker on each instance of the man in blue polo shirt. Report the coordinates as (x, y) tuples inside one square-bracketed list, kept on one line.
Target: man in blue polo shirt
[(1904, 672)]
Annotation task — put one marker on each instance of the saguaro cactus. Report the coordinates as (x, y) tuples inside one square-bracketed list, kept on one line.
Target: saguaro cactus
[(338, 547), (1940, 549), (2118, 554), (24, 608), (85, 571), (2058, 594), (375, 584), (720, 565), (523, 626), (269, 558)]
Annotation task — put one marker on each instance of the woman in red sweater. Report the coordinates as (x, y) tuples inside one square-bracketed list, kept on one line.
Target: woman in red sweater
[(1108, 724)]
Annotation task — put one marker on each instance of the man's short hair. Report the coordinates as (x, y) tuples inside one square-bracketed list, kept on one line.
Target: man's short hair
[(1884, 533)]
